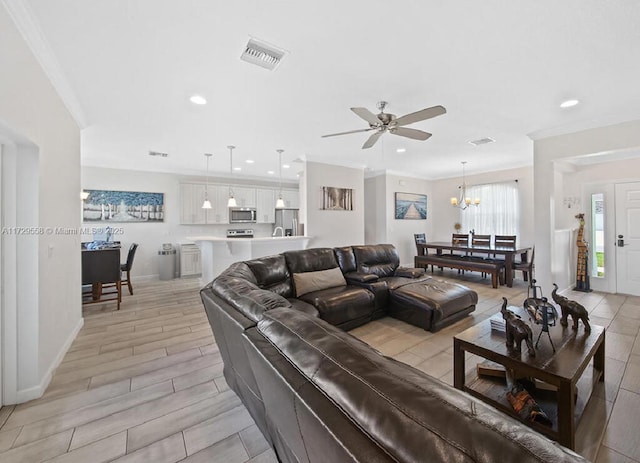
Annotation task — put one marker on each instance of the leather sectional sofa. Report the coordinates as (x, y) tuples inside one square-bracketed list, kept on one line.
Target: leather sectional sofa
[(320, 395)]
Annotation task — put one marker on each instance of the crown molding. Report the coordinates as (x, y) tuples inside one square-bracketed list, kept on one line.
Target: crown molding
[(24, 19)]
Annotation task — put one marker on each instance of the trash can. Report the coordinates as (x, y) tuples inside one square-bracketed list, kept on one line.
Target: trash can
[(167, 262)]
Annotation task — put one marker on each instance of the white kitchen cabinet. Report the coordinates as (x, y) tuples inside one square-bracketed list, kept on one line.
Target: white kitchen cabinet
[(265, 205), (219, 212), (291, 198), (190, 260), (245, 197), (191, 199)]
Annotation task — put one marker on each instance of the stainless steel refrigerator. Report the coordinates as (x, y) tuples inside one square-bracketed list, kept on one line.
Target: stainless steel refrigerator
[(288, 220)]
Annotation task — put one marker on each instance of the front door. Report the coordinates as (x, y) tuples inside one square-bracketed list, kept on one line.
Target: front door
[(627, 238)]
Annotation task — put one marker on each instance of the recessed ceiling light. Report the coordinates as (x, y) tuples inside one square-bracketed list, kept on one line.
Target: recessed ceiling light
[(569, 103), (237, 168), (285, 166), (197, 99), (401, 150), (249, 161), (270, 172)]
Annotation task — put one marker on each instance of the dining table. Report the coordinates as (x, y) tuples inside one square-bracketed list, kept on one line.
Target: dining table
[(509, 253)]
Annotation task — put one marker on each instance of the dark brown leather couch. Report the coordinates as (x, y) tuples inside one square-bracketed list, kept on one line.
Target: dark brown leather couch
[(320, 395)]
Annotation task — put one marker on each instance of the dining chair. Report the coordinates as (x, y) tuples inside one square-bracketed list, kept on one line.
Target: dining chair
[(420, 238), (128, 265), (503, 241), (480, 240), (526, 267)]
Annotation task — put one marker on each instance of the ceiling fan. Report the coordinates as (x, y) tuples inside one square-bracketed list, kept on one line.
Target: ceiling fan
[(386, 122)]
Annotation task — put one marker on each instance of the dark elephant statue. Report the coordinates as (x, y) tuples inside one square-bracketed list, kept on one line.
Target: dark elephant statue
[(573, 308), (516, 330)]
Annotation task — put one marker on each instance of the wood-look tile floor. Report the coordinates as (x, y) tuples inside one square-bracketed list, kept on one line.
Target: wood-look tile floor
[(145, 384)]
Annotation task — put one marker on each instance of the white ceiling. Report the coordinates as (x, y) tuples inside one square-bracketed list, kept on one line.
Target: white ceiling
[(500, 67)]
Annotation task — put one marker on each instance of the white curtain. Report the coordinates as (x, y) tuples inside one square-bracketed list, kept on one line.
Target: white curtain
[(498, 212)]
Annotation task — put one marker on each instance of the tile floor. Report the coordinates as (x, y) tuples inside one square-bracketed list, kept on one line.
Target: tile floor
[(145, 383)]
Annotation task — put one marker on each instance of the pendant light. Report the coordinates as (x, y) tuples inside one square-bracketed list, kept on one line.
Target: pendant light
[(463, 201), (232, 200), (280, 201), (207, 204)]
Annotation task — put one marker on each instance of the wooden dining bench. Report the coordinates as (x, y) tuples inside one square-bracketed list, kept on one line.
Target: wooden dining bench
[(495, 269)]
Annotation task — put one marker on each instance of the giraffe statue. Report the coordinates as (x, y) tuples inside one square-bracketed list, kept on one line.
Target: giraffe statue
[(582, 271)]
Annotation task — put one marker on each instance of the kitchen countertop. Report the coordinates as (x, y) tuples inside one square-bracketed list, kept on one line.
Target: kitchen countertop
[(263, 238)]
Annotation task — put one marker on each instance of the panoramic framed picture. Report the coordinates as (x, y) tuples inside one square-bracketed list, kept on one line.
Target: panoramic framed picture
[(411, 206), (123, 206), (337, 199)]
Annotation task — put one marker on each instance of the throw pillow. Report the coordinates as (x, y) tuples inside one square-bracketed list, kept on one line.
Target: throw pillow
[(315, 281)]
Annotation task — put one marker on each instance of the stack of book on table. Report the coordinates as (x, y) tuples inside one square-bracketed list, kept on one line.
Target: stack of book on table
[(497, 323)]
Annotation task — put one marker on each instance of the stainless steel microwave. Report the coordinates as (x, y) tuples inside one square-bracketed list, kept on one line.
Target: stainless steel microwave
[(242, 215)]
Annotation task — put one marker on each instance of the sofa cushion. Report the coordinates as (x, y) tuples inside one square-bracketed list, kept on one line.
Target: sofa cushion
[(379, 259), (272, 273), (346, 259), (246, 297), (310, 260), (342, 306), (408, 413), (315, 281)]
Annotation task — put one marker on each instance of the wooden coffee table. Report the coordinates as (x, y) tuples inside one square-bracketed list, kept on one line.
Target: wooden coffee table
[(564, 369)]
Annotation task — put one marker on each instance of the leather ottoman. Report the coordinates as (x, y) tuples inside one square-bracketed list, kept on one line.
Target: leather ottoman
[(432, 304)]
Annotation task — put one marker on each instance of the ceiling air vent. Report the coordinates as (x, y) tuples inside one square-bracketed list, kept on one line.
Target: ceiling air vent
[(262, 54), (157, 153), (482, 141)]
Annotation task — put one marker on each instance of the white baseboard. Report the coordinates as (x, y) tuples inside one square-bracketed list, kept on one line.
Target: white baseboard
[(24, 395)]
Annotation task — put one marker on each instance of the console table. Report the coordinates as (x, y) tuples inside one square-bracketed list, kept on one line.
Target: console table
[(563, 369)]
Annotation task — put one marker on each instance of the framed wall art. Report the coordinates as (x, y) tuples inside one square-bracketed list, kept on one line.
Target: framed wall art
[(411, 206), (337, 199), (123, 206)]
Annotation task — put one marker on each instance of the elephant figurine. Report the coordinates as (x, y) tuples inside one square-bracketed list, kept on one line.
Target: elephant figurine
[(573, 308), (516, 330)]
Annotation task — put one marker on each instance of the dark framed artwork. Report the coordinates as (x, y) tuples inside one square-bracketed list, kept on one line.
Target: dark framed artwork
[(123, 206), (411, 206), (337, 199)]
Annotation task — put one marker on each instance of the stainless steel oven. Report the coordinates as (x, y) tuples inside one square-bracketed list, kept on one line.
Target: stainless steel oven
[(242, 215)]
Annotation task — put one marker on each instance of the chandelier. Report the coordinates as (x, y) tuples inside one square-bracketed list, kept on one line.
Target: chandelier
[(464, 201)]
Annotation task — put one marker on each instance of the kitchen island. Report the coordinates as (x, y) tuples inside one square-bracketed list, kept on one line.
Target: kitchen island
[(219, 253)]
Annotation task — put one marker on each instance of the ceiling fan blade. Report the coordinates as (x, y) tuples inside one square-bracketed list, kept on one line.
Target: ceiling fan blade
[(367, 115), (347, 133), (418, 116), (410, 133), (372, 140)]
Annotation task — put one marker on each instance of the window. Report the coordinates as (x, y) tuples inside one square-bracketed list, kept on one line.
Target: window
[(597, 232), (498, 212)]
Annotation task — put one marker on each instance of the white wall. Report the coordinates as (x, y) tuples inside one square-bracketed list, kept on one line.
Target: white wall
[(151, 236), (33, 117), (333, 228), (446, 215), (400, 232), (548, 195)]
